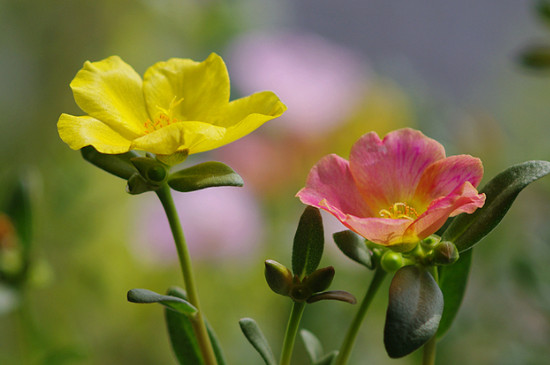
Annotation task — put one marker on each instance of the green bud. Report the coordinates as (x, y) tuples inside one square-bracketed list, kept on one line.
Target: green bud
[(150, 169), (319, 280), (137, 185), (445, 253), (278, 277), (430, 242), (300, 293), (392, 261)]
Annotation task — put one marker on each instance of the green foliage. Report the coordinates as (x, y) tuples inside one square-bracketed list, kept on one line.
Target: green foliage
[(536, 57), (254, 335), (174, 303), (353, 246), (308, 243), (414, 310), (315, 350), (204, 175), (468, 229), (118, 165), (452, 281)]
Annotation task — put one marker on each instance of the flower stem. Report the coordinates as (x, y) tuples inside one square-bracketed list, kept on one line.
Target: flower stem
[(428, 356), (291, 331), (197, 321), (349, 341)]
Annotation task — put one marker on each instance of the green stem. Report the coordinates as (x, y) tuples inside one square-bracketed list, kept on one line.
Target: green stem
[(291, 331), (197, 321), (428, 356), (349, 341)]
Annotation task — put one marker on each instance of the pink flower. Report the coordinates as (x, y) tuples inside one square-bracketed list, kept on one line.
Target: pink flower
[(395, 191)]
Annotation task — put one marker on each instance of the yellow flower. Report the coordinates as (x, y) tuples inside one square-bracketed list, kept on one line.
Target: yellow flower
[(180, 105)]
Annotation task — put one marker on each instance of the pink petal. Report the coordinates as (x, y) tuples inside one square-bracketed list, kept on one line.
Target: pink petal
[(388, 171), (464, 199), (383, 231), (330, 186), (444, 176)]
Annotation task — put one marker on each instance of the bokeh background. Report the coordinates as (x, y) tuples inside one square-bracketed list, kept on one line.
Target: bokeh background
[(344, 68)]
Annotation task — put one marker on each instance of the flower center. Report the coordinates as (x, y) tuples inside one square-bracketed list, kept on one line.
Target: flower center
[(399, 211), (164, 118)]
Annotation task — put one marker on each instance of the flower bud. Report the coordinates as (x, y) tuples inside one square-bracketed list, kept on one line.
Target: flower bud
[(319, 280), (150, 169), (278, 277), (445, 253), (392, 261), (430, 242), (300, 293)]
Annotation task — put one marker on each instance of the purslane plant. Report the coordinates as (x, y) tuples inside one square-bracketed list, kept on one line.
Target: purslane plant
[(412, 213)]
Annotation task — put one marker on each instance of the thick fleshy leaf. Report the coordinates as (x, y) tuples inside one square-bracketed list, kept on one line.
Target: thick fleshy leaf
[(202, 87), (313, 346), (204, 175), (182, 337), (111, 92), (354, 247), (308, 243), (174, 303), (254, 335), (118, 165), (414, 311), (468, 229), (339, 295), (79, 132), (452, 281), (381, 167)]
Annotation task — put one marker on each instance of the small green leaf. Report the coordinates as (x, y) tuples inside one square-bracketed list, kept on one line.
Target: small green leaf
[(313, 346), (118, 165), (468, 229), (414, 310), (19, 208), (182, 337), (327, 359), (354, 247), (254, 335), (148, 296), (536, 57), (308, 243), (204, 175), (339, 295), (452, 281), (320, 279)]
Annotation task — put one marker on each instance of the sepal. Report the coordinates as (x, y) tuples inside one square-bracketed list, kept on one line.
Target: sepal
[(204, 175), (118, 165)]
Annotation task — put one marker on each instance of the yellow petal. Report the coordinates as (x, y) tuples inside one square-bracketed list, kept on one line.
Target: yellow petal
[(192, 136), (79, 132), (111, 91), (244, 115), (201, 87)]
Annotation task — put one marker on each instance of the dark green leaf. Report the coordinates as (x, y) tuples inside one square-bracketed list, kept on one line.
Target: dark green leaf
[(313, 346), (278, 277), (148, 296), (467, 229), (452, 281), (320, 279), (354, 247), (183, 339), (118, 165), (543, 10), (308, 243), (254, 335), (204, 175), (536, 57), (19, 208), (414, 310)]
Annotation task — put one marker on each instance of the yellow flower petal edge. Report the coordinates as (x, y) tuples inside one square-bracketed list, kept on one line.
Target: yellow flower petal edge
[(180, 105)]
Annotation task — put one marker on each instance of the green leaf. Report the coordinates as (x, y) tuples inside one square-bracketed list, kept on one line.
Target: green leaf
[(536, 57), (147, 296), (468, 229), (313, 346), (19, 208), (327, 359), (354, 247), (414, 310), (254, 335), (118, 165), (452, 281), (542, 8), (204, 175), (308, 243), (339, 295), (182, 337)]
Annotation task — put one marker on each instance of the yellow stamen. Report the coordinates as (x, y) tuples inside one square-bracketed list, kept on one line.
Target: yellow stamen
[(164, 118), (399, 211)]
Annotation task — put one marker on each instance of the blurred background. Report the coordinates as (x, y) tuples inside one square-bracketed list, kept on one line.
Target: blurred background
[(343, 68)]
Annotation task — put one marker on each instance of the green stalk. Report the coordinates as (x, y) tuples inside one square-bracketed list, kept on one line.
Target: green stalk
[(197, 321), (428, 356), (291, 331), (349, 341)]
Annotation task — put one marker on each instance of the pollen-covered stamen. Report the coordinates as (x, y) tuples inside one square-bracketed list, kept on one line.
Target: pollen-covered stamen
[(164, 118), (399, 211)]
